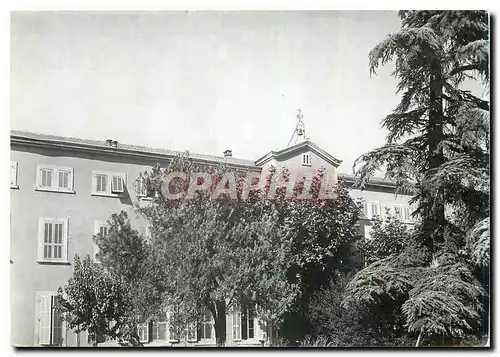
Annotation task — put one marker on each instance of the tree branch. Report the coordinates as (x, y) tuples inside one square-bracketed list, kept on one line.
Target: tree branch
[(469, 67)]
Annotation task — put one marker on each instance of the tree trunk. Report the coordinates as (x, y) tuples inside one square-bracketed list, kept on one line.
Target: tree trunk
[(418, 339), (434, 218), (220, 323)]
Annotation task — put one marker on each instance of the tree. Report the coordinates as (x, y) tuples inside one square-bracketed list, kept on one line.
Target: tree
[(93, 301), (444, 301), (437, 148), (324, 245), (129, 259), (387, 237), (429, 142), (217, 252), (439, 300), (352, 326)]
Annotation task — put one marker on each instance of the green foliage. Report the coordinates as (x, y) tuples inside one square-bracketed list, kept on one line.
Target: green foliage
[(445, 300), (122, 251), (380, 281), (438, 149), (387, 237), (92, 300), (321, 341), (129, 259), (218, 253), (355, 325), (443, 148), (479, 243), (323, 238), (319, 229)]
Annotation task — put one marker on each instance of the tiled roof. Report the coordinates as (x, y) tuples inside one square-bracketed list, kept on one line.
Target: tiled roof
[(123, 148), (372, 181)]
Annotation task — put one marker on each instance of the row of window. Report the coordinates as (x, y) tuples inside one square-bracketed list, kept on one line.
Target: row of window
[(243, 324), (60, 179), (373, 209), (53, 238), (49, 324)]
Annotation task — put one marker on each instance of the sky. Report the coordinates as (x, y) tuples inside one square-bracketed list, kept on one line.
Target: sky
[(204, 81)]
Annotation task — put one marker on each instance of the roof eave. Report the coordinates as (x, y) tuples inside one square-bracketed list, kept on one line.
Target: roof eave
[(54, 144), (313, 147)]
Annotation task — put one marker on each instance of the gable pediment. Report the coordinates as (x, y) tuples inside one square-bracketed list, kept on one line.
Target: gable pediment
[(296, 150)]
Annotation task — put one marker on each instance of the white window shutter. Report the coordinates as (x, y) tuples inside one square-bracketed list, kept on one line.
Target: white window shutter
[(13, 173), (64, 179), (44, 317), (101, 182), (117, 184), (398, 212), (237, 325), (41, 235), (61, 179), (57, 335), (375, 209), (70, 180), (65, 240), (46, 178), (140, 187), (407, 215)]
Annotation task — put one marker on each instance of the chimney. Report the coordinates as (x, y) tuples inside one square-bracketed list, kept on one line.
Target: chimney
[(115, 143), (228, 153)]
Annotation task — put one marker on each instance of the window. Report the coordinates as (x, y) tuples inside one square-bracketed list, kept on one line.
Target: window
[(365, 209), (375, 209), (406, 214), (101, 228), (53, 233), (63, 180), (117, 186), (54, 178), (13, 174), (398, 211), (46, 178), (160, 327), (101, 183), (236, 325), (108, 183), (140, 187), (49, 326), (244, 324), (248, 324), (403, 213), (192, 332), (206, 327), (143, 332), (174, 326), (306, 160), (178, 329)]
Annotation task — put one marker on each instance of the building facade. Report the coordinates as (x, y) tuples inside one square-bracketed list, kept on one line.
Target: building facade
[(63, 191)]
